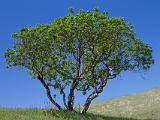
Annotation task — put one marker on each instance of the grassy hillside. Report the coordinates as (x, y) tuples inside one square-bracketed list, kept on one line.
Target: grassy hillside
[(44, 114), (143, 105)]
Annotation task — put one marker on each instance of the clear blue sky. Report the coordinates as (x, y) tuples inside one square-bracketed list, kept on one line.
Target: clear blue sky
[(16, 87)]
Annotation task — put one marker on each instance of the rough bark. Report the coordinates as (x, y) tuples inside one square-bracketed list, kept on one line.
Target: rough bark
[(49, 93), (93, 95), (71, 95), (88, 102)]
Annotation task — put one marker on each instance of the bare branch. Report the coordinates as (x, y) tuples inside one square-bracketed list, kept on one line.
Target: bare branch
[(64, 98), (40, 78)]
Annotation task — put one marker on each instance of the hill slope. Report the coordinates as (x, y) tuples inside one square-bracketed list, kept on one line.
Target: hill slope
[(143, 105)]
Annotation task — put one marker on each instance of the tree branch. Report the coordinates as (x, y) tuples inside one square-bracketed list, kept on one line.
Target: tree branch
[(40, 78), (64, 98), (71, 94), (93, 95), (76, 80)]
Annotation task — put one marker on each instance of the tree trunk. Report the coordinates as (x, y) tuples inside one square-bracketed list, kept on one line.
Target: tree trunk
[(71, 95), (88, 102), (49, 94), (93, 95)]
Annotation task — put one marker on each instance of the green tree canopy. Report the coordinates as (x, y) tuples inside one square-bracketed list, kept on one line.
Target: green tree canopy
[(81, 51)]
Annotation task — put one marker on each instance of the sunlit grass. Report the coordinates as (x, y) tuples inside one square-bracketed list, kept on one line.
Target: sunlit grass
[(46, 114)]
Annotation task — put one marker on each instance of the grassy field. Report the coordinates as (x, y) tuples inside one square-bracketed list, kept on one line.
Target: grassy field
[(143, 105), (44, 114)]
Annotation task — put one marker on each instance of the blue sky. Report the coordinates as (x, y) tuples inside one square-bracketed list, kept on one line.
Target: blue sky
[(16, 87)]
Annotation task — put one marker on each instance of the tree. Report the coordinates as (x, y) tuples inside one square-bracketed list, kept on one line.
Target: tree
[(79, 51)]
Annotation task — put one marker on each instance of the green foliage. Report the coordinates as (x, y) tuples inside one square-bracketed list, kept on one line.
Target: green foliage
[(100, 44), (71, 10), (87, 46)]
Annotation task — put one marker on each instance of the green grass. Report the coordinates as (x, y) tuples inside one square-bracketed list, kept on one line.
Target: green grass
[(44, 114), (143, 105)]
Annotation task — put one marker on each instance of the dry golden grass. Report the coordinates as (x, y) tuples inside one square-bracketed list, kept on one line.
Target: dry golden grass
[(142, 105)]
